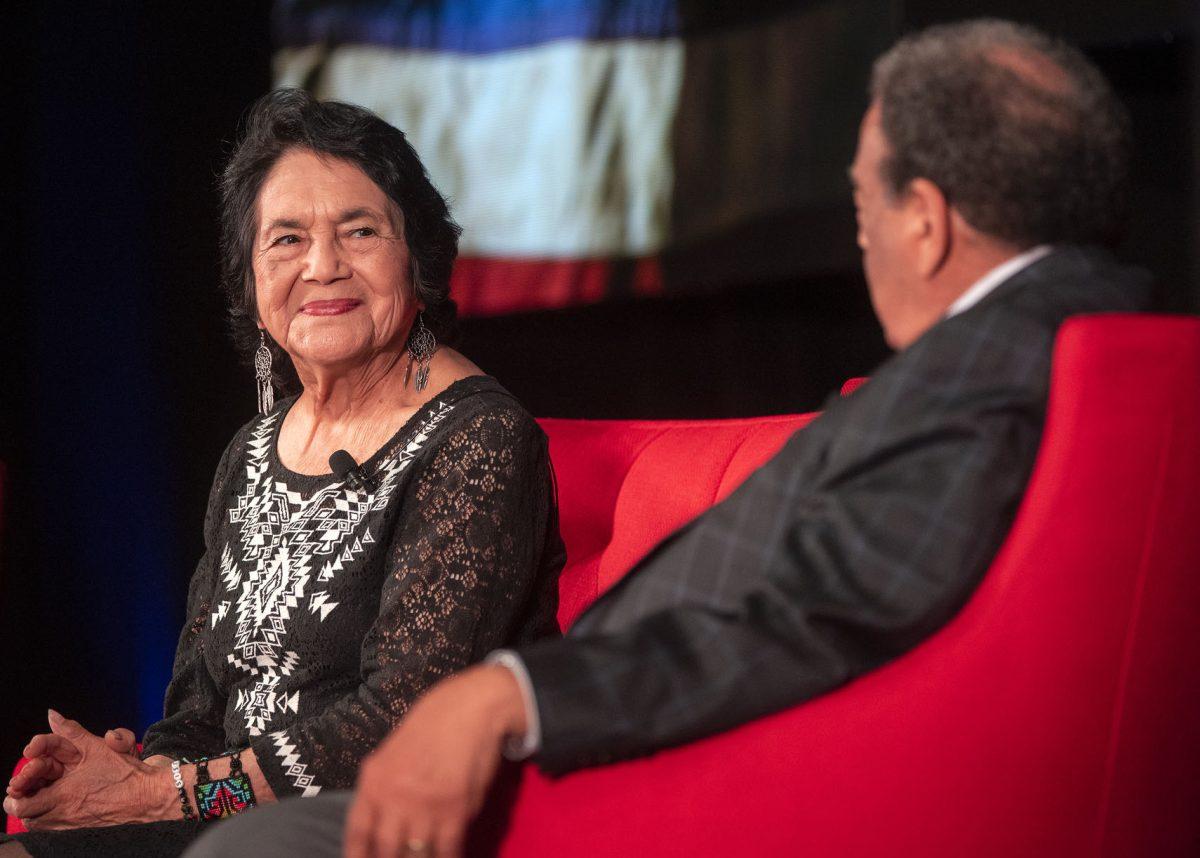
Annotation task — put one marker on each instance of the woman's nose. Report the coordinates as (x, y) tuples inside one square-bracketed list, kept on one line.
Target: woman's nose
[(325, 262)]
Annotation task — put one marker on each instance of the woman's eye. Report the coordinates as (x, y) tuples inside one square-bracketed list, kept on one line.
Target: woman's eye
[(362, 232), (285, 240)]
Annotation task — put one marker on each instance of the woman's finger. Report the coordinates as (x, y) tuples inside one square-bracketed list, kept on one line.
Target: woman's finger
[(28, 780), (31, 807), (31, 771), (50, 745), (36, 774), (68, 728), (36, 746), (44, 768), (121, 740), (21, 785)]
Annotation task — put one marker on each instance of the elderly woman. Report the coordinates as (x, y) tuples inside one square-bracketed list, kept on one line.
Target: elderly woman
[(325, 603)]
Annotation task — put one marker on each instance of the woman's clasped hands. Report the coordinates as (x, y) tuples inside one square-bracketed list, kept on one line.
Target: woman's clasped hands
[(76, 779)]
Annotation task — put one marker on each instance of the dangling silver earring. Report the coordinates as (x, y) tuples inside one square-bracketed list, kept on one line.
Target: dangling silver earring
[(262, 372), (421, 346)]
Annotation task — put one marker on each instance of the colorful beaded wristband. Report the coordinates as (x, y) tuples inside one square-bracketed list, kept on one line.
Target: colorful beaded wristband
[(216, 799)]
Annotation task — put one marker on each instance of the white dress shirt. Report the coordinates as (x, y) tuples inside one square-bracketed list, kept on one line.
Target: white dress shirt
[(1005, 270)]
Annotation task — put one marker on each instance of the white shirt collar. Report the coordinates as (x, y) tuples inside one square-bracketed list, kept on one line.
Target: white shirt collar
[(995, 277)]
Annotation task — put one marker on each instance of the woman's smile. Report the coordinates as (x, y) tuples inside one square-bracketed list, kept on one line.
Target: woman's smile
[(330, 306)]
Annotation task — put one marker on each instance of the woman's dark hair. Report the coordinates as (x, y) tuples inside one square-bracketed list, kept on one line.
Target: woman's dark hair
[(1021, 133), (288, 119)]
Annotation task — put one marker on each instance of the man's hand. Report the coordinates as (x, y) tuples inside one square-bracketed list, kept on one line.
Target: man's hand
[(418, 791), (86, 780)]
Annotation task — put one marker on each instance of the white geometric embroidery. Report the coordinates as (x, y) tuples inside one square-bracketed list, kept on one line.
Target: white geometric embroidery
[(292, 767), (282, 536), (219, 613), (230, 573)]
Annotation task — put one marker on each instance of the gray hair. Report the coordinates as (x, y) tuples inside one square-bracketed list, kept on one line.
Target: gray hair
[(1019, 130)]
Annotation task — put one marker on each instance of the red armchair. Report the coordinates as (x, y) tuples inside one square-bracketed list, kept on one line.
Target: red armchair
[(1056, 715)]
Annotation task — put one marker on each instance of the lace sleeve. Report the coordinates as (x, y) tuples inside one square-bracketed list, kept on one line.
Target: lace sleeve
[(460, 579), (194, 710)]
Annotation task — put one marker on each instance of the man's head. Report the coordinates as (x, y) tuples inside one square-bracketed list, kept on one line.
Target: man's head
[(984, 138)]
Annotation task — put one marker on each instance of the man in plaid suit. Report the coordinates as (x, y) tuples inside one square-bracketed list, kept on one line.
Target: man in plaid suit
[(991, 162)]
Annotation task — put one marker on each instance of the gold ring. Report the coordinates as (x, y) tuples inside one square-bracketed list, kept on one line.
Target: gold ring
[(415, 847)]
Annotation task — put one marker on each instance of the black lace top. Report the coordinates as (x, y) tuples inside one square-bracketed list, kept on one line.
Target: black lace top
[(319, 613)]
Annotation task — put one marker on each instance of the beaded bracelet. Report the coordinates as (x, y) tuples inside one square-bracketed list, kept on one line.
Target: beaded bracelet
[(183, 796), (216, 799)]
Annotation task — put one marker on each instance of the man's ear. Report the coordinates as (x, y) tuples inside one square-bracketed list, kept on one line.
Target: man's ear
[(929, 218)]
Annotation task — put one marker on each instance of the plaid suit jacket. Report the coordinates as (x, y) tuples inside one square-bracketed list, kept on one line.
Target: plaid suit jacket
[(863, 535)]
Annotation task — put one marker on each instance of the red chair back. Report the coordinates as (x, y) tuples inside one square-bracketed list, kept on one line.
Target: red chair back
[(625, 484)]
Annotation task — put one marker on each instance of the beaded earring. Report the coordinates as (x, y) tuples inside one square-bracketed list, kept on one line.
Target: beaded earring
[(262, 372), (421, 346)]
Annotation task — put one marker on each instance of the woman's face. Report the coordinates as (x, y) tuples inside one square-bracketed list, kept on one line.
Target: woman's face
[(332, 277)]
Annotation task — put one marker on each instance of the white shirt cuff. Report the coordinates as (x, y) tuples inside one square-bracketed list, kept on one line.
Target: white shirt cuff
[(520, 747)]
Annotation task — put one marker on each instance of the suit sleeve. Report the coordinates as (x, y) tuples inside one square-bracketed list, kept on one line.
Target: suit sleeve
[(462, 570), (194, 710), (800, 587)]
